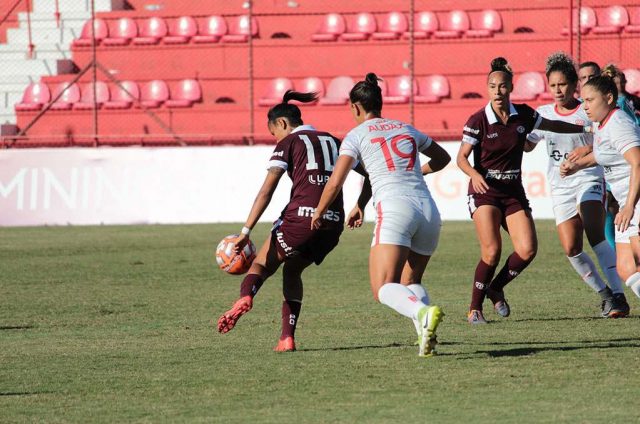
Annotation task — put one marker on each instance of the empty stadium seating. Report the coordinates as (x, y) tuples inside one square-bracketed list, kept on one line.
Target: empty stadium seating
[(121, 32), (485, 24), (100, 28), (611, 20), (337, 91), (151, 31), (360, 27), (588, 20), (634, 20), (311, 85), (35, 96), (332, 26), (399, 89), (391, 27), (432, 89), (424, 25), (185, 94), (70, 95), (87, 99), (240, 29), (181, 30), (123, 95), (213, 29), (454, 25), (633, 80), (274, 91), (528, 86)]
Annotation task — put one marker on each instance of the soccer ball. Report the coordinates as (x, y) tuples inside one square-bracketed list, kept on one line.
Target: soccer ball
[(233, 263)]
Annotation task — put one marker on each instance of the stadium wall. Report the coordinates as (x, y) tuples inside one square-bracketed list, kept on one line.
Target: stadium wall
[(78, 186)]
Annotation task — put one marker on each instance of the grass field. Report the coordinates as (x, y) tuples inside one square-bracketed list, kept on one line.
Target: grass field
[(115, 324)]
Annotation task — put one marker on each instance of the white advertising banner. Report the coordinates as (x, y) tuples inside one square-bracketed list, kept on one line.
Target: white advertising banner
[(86, 186)]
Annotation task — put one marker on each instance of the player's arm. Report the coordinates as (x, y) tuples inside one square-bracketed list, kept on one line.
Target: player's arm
[(356, 216), (580, 152), (332, 188), (623, 218), (569, 167), (562, 127), (462, 160), (439, 158), (260, 204)]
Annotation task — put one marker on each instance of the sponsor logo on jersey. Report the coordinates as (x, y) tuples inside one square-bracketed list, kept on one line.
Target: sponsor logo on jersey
[(492, 135), (280, 153), (308, 211), (521, 129), (471, 130), (280, 237), (607, 169), (580, 122), (509, 175), (558, 156), (386, 126), (318, 179)]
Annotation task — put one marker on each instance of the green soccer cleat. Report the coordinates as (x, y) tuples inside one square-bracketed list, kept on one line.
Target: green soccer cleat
[(430, 318)]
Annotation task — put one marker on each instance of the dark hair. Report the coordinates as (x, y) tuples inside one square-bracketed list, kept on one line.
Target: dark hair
[(590, 65), (604, 84), (561, 62), (368, 93), (290, 112), (500, 64)]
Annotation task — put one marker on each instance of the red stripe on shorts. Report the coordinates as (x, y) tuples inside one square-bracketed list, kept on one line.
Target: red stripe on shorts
[(379, 223)]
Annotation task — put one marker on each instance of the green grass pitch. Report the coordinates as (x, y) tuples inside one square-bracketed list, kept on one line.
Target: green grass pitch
[(115, 324)]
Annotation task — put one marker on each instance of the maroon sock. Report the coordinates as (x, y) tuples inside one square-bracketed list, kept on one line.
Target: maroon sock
[(290, 314), (481, 279), (511, 269), (250, 285)]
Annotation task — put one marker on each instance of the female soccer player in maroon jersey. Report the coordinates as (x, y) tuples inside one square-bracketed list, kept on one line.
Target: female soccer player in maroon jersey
[(308, 157), (497, 135)]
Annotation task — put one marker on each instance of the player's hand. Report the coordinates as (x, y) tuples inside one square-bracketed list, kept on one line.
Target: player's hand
[(623, 218), (241, 242), (567, 168), (355, 218), (579, 152), (316, 221), (479, 184)]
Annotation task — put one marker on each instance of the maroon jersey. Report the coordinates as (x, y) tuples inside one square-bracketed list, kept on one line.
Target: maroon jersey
[(308, 156), (498, 147)]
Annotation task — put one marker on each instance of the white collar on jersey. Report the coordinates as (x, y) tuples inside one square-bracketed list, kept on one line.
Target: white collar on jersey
[(491, 115), (303, 128)]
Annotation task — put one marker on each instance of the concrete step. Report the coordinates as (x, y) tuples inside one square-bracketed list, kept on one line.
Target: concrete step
[(39, 53), (8, 101), (20, 36), (46, 16), (36, 67), (41, 6)]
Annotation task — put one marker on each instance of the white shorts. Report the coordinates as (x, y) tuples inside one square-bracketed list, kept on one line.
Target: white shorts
[(567, 200), (413, 222), (632, 231)]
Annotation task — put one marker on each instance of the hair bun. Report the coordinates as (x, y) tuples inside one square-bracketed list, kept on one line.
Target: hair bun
[(500, 64), (372, 79)]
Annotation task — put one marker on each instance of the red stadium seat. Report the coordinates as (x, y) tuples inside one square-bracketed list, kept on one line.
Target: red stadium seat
[(393, 25), (123, 95), (337, 91), (181, 30), (70, 95), (360, 27), (332, 26), (454, 25), (35, 96), (153, 94), (274, 91), (121, 32), (528, 86), (240, 30), (85, 40), (212, 30), (588, 20), (152, 30), (186, 94), (399, 90), (633, 80), (87, 100), (311, 85), (611, 20), (485, 24), (432, 89), (634, 20), (425, 24)]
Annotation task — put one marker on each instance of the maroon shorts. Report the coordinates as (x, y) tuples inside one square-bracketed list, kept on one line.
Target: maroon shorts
[(507, 204), (295, 240)]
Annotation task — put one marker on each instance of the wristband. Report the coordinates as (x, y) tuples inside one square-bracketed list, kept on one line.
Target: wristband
[(245, 231)]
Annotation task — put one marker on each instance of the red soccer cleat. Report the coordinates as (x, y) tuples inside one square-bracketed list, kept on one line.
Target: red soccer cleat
[(228, 320), (288, 344)]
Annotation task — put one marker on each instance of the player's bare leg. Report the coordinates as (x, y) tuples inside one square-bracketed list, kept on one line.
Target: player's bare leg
[(386, 264), (292, 291), (628, 256), (264, 265), (487, 220), (525, 245)]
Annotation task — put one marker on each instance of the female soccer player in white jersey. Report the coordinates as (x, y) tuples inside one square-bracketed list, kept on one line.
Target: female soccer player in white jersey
[(408, 222), (616, 147), (578, 200)]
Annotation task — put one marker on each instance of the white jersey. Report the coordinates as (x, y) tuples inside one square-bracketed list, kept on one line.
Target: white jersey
[(611, 141), (388, 150), (560, 145)]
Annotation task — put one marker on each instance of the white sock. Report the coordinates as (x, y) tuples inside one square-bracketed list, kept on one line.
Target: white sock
[(633, 283), (421, 293), (585, 267), (401, 299), (607, 260)]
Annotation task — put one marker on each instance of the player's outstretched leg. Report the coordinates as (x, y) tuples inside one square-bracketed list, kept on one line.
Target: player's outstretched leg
[(229, 319)]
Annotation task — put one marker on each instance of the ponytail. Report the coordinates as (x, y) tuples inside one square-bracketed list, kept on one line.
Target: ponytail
[(290, 112)]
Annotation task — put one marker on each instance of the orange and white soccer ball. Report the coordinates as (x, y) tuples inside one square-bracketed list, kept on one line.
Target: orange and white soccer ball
[(233, 263)]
